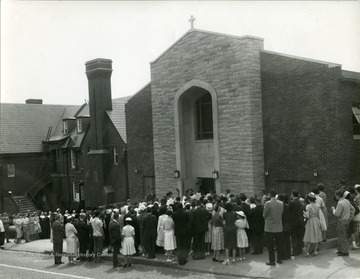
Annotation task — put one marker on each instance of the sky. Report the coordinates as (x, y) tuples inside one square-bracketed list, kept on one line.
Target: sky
[(45, 44)]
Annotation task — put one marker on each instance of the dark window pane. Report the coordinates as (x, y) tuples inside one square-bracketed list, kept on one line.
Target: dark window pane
[(204, 118)]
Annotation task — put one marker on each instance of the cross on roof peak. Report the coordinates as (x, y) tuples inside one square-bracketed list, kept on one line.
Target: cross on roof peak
[(191, 20)]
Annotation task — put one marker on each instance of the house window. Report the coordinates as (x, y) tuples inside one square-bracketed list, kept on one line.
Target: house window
[(76, 192), (72, 159), (115, 155), (11, 170), (79, 125), (204, 118), (65, 127), (356, 121)]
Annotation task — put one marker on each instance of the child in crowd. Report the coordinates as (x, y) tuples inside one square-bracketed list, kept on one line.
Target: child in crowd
[(242, 239)]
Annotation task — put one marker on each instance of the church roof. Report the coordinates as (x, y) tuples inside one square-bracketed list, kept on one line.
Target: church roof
[(117, 115), (350, 76), (205, 32), (329, 64), (23, 127)]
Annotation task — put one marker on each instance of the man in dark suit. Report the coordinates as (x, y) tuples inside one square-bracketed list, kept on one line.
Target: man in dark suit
[(84, 236), (150, 233), (57, 238), (181, 220), (273, 211), (286, 254), (296, 222), (115, 238), (256, 226), (200, 224)]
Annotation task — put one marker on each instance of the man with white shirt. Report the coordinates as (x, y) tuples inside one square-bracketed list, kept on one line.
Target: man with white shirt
[(2, 233), (98, 236), (344, 212)]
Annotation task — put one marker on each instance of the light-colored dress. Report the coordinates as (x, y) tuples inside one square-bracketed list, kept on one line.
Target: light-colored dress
[(160, 231), (217, 242), (18, 227), (242, 239), (208, 234), (127, 245), (313, 232), (169, 236), (71, 239)]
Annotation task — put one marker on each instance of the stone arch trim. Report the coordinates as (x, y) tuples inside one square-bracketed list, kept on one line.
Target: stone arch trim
[(177, 111)]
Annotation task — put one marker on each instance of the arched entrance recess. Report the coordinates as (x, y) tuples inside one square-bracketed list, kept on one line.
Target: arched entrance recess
[(196, 156)]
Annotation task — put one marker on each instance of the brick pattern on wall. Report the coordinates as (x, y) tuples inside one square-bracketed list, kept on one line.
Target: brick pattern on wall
[(307, 124), (232, 66), (140, 151)]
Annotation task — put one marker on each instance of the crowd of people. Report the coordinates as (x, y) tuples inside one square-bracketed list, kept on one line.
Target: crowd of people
[(29, 226), (198, 225)]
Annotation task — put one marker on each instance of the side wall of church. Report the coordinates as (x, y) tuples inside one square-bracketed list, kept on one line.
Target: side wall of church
[(232, 66), (307, 120), (140, 150)]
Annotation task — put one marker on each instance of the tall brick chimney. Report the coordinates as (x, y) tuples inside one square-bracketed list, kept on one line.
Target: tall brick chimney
[(98, 72)]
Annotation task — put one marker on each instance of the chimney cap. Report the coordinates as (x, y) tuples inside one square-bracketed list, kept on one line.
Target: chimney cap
[(34, 101)]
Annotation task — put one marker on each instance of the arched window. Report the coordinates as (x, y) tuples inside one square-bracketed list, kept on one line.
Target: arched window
[(204, 118)]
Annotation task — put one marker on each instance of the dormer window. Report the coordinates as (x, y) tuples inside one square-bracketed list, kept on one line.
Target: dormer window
[(65, 127), (79, 125)]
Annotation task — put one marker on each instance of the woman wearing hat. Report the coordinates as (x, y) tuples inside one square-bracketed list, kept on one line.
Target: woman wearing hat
[(128, 243), (313, 232), (208, 234), (169, 236), (217, 241), (242, 239), (230, 235), (71, 240)]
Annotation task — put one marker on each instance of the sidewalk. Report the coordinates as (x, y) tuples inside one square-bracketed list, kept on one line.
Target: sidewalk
[(325, 265)]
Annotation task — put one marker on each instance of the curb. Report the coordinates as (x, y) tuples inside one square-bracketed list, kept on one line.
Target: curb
[(152, 262)]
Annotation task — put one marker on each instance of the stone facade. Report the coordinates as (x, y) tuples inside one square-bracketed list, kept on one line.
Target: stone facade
[(231, 65)]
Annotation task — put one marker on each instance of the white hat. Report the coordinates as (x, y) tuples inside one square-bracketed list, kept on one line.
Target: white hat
[(241, 213), (128, 219), (346, 193), (357, 186), (209, 206)]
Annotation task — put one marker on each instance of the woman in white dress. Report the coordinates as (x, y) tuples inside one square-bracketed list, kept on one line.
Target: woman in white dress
[(71, 240), (160, 227), (313, 232), (128, 243), (169, 236)]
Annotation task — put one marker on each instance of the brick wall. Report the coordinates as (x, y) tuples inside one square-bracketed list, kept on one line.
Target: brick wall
[(232, 66), (140, 150), (307, 124)]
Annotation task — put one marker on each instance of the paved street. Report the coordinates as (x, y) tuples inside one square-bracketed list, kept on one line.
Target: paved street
[(14, 264)]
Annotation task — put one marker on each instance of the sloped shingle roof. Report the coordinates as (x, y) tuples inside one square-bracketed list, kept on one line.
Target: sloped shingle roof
[(117, 115), (23, 127)]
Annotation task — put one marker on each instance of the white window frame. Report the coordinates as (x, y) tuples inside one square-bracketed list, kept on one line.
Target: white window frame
[(11, 170), (65, 127), (76, 194), (72, 159), (79, 125), (115, 155)]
